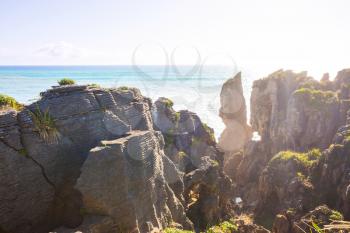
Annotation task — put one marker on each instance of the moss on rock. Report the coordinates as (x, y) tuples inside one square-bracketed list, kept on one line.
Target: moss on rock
[(316, 98), (305, 159)]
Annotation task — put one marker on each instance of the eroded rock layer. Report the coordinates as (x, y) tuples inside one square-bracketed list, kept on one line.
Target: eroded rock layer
[(84, 158)]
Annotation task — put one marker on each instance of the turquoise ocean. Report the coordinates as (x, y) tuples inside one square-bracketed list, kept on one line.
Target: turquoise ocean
[(195, 89)]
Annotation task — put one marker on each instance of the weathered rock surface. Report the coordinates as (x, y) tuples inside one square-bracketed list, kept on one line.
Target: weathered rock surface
[(92, 224), (233, 113), (124, 179), (294, 112), (87, 159), (42, 174), (331, 175), (191, 145), (292, 221)]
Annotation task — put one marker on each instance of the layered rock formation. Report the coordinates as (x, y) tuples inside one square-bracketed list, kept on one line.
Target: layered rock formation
[(191, 145), (83, 158), (293, 114)]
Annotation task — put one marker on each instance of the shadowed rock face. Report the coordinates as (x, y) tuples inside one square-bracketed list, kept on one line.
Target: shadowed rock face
[(191, 146)]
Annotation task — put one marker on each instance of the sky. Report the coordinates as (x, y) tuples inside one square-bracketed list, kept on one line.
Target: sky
[(256, 35)]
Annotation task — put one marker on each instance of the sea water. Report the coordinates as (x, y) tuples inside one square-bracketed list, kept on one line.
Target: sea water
[(195, 89)]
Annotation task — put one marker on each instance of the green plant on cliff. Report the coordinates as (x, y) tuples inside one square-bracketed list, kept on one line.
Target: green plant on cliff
[(168, 103), (45, 125), (66, 81), (305, 159), (224, 227), (123, 88), (175, 230), (316, 98), (9, 102), (210, 132)]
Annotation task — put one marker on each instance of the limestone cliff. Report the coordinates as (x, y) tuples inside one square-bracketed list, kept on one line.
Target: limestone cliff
[(88, 159), (293, 113)]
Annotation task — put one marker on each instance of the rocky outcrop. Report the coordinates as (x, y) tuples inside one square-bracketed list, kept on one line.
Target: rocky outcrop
[(124, 179), (80, 117), (331, 175), (233, 113), (84, 158), (284, 184), (314, 221), (293, 114), (191, 145)]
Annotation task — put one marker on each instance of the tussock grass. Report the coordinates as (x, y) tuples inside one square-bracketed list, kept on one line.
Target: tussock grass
[(45, 125)]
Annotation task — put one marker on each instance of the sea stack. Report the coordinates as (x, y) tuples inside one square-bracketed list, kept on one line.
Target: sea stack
[(233, 112)]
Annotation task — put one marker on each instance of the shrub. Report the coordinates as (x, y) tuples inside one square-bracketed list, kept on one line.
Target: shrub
[(181, 154), (305, 159), (210, 131), (45, 125), (94, 85), (175, 230), (66, 81), (9, 102), (123, 88), (168, 103), (224, 227)]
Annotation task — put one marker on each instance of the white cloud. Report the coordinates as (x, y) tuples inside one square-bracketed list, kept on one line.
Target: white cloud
[(61, 50)]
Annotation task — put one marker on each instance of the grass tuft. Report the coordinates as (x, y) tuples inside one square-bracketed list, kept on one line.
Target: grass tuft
[(45, 125)]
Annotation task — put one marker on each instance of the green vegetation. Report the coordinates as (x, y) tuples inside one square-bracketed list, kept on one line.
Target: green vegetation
[(66, 81), (123, 88), (210, 132), (94, 85), (168, 139), (336, 216), (168, 103), (9, 102), (224, 227), (23, 152), (45, 125), (181, 154), (317, 98), (175, 230), (304, 159), (177, 116)]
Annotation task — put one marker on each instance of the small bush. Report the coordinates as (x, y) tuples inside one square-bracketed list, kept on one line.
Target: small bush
[(305, 159), (168, 103), (210, 131), (94, 85), (123, 88), (224, 227), (175, 230), (45, 125), (9, 102), (66, 81), (181, 154)]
